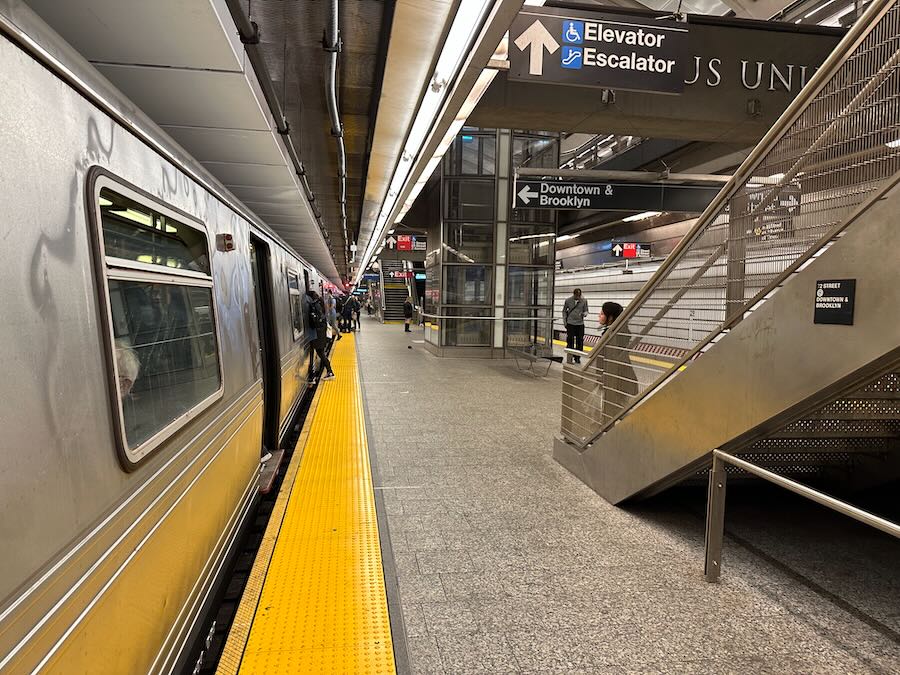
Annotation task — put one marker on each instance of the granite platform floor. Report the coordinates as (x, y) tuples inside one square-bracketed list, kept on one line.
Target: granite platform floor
[(508, 564)]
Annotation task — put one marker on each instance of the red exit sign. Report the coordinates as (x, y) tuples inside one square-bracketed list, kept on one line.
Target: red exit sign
[(631, 250)]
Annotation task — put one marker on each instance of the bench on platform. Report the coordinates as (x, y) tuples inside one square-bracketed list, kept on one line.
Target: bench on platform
[(528, 355)]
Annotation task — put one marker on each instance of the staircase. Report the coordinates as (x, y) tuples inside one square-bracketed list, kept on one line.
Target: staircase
[(395, 291), (759, 378)]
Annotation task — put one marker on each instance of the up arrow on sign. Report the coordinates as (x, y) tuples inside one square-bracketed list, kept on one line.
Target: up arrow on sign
[(526, 194), (391, 242), (538, 38), (617, 250)]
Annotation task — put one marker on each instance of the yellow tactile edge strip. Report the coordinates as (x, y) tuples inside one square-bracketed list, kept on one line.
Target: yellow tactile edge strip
[(239, 633), (323, 606)]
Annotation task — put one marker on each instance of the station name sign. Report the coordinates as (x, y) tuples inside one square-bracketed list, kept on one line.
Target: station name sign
[(599, 50)]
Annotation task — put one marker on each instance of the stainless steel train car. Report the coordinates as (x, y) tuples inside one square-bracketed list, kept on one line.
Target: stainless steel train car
[(153, 346)]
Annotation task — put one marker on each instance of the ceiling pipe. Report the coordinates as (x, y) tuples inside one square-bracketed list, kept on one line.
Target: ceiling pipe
[(248, 31), (332, 44)]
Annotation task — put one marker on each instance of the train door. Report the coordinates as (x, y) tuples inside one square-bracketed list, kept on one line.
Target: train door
[(260, 261)]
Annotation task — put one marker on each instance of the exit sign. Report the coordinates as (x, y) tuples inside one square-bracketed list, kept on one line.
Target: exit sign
[(631, 250)]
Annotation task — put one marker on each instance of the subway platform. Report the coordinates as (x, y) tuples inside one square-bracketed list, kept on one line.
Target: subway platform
[(497, 560)]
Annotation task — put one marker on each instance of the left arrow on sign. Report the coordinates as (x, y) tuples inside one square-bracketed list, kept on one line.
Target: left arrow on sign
[(538, 38), (526, 194)]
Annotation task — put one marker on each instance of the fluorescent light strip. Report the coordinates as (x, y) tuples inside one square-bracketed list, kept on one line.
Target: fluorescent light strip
[(456, 47), (817, 9), (641, 216)]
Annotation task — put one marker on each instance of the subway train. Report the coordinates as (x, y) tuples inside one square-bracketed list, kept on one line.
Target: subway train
[(153, 350)]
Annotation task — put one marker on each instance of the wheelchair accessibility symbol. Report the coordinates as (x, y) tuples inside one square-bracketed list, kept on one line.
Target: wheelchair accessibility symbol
[(573, 32), (570, 57)]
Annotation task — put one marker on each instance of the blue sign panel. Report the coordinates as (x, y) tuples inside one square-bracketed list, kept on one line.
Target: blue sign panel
[(573, 32), (571, 57)]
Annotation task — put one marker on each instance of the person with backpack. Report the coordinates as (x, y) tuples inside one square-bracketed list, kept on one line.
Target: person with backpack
[(350, 306), (317, 332)]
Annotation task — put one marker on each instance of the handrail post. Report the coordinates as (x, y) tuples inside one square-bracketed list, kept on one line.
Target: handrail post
[(715, 519)]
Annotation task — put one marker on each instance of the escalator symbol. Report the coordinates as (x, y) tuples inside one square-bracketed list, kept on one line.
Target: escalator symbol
[(571, 57)]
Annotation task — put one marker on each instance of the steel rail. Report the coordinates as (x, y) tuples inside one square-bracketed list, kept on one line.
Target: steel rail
[(828, 70), (715, 508), (819, 80), (632, 176)]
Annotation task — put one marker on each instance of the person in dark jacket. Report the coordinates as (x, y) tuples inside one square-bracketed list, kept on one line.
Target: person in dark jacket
[(339, 308), (407, 314), (351, 306), (620, 383), (318, 326)]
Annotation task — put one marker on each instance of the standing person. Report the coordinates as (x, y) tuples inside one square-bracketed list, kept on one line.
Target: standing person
[(339, 307), (369, 307), (357, 313), (331, 313), (407, 314), (620, 383), (317, 331), (349, 305), (574, 310)]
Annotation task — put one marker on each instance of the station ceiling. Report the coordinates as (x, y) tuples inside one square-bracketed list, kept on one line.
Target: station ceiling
[(292, 36)]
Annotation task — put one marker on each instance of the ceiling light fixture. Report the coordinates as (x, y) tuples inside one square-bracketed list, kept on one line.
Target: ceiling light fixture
[(641, 216), (459, 43)]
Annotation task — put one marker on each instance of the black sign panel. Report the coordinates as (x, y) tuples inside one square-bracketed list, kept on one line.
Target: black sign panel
[(612, 196), (835, 299), (598, 50), (775, 220)]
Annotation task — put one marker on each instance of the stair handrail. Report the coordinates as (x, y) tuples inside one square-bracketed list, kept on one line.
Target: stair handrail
[(823, 76)]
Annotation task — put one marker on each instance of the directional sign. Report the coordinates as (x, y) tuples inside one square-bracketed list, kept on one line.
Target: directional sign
[(612, 196), (409, 242), (391, 242), (599, 50), (526, 195), (631, 250), (775, 220), (535, 39), (835, 300)]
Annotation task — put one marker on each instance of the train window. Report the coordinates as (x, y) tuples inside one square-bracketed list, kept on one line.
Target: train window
[(166, 355), (296, 299), (161, 316), (134, 232)]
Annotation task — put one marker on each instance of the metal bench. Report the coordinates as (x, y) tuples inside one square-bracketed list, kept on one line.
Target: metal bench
[(528, 355)]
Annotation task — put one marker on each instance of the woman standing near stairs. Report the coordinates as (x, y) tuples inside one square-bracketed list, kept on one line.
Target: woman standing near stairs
[(407, 314)]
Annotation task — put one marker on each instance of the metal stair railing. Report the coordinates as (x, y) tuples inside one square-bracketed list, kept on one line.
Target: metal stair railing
[(835, 144)]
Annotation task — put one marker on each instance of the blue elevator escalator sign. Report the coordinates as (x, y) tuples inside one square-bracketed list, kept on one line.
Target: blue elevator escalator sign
[(599, 50)]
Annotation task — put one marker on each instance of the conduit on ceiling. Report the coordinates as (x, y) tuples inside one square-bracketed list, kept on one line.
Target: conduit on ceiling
[(332, 44), (248, 31)]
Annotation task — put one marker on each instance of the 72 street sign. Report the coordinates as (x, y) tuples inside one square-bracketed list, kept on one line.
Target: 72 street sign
[(612, 196)]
